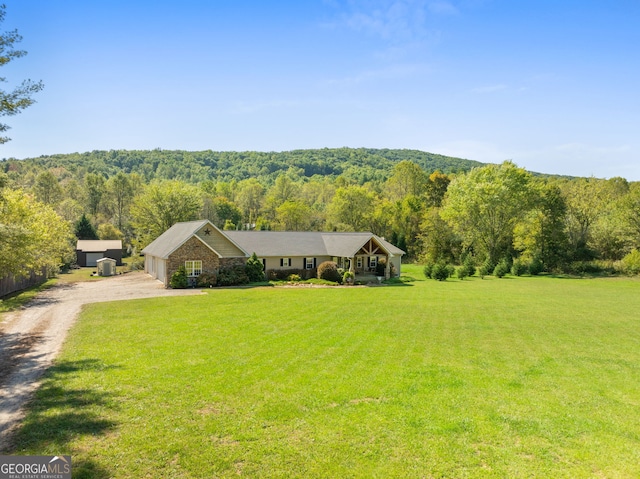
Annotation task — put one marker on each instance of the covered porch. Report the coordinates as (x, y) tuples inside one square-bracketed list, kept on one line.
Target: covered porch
[(368, 263)]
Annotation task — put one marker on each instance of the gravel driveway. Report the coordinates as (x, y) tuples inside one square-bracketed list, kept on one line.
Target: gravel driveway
[(32, 337)]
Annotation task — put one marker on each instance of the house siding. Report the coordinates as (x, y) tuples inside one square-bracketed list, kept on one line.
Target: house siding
[(219, 242), (297, 262), (396, 261)]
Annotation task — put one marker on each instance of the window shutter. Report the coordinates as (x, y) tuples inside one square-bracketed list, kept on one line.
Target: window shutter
[(368, 261), (281, 262), (304, 263), (315, 262), (290, 263)]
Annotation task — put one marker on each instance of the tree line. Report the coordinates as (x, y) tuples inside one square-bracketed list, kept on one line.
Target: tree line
[(452, 212)]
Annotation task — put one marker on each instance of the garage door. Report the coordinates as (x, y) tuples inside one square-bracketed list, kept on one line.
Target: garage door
[(93, 257)]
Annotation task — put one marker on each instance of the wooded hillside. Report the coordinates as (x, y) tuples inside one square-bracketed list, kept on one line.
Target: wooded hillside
[(359, 165), (438, 209)]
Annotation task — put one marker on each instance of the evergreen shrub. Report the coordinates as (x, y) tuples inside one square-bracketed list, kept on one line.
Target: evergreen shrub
[(233, 276), (461, 272), (501, 269), (536, 266), (283, 274), (440, 271), (328, 271), (487, 267), (518, 268), (179, 279), (206, 280), (428, 268), (469, 265), (254, 269)]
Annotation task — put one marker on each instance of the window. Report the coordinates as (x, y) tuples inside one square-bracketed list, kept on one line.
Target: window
[(310, 263), (359, 262), (285, 262), (194, 268), (373, 262)]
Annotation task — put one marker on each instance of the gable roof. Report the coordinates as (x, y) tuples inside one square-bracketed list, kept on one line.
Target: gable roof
[(177, 235), (98, 246), (271, 243), (306, 243)]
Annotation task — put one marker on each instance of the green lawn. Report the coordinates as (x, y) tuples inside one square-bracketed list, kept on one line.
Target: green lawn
[(519, 377)]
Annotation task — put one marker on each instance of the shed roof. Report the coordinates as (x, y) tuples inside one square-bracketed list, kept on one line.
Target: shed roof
[(106, 260), (98, 246)]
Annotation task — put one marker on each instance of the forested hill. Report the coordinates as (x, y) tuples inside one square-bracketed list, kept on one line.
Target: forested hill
[(359, 165)]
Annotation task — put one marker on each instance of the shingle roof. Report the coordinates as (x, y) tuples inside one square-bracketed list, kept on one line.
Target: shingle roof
[(98, 246), (305, 243), (171, 239), (273, 243)]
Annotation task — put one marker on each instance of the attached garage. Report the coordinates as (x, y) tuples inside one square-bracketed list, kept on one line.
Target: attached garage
[(198, 246)]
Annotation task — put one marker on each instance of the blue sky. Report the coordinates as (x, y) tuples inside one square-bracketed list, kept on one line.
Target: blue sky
[(552, 85)]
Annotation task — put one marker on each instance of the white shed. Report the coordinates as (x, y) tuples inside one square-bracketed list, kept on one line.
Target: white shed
[(106, 266)]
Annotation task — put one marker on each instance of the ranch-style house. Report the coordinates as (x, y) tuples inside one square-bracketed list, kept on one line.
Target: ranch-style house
[(201, 247)]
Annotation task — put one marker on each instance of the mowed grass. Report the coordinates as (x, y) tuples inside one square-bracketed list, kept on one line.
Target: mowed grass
[(520, 377)]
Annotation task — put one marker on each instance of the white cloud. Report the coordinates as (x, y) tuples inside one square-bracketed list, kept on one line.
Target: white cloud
[(391, 20)]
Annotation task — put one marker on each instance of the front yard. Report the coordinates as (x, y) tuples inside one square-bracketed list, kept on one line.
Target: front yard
[(520, 377)]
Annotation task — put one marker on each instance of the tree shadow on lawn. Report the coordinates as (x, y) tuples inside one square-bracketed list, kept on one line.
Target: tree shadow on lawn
[(58, 415)]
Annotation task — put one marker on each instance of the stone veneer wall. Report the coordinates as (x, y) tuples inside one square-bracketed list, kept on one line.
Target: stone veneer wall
[(193, 250), (229, 262)]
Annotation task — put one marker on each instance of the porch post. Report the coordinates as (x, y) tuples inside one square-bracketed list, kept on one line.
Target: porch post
[(352, 268), (387, 268)]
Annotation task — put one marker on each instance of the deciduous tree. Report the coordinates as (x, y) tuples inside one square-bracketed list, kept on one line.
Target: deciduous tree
[(94, 188), (541, 233), (161, 205), (407, 179), (121, 193), (32, 235), (585, 204), (293, 216), (351, 208), (484, 206), (47, 188), (250, 196)]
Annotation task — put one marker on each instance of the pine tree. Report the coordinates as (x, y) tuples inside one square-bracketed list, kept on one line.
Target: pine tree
[(84, 230)]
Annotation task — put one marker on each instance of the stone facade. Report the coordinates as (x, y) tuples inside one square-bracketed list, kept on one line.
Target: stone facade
[(193, 250), (230, 262)]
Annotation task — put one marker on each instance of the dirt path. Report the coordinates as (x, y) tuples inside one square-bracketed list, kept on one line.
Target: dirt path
[(32, 337)]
